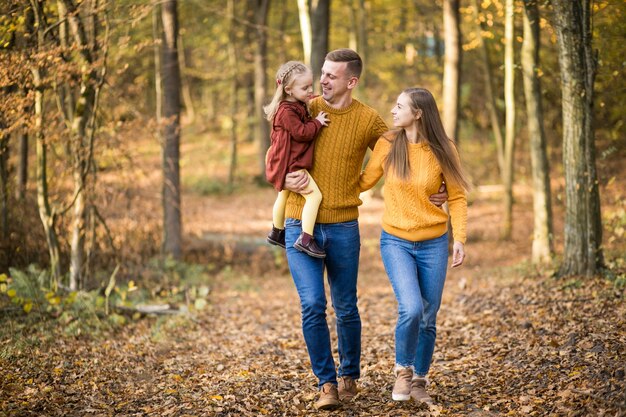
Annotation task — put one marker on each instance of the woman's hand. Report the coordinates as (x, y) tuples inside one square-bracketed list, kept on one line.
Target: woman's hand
[(458, 254)]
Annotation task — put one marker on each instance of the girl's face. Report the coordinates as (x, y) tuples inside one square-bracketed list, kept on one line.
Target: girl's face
[(403, 114), (302, 87)]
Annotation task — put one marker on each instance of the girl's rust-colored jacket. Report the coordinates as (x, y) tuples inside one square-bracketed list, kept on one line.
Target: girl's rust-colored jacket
[(292, 146)]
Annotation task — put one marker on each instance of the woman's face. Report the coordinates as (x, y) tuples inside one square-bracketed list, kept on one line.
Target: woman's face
[(403, 114)]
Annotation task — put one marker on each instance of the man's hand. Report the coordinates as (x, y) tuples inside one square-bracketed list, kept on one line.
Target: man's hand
[(297, 182), (458, 254), (441, 196)]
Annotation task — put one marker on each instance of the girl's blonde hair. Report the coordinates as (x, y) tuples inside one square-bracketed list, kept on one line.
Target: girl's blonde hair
[(430, 127), (285, 76)]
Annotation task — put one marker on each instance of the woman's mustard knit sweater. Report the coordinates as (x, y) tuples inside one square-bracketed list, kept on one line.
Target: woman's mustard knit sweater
[(408, 212)]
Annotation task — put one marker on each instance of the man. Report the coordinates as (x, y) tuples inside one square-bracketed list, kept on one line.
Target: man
[(339, 152)]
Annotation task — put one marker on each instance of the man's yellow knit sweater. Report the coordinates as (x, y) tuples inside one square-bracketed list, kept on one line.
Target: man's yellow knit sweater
[(408, 212), (339, 152)]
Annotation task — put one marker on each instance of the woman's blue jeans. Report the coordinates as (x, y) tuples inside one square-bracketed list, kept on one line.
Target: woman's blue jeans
[(417, 271), (342, 244)]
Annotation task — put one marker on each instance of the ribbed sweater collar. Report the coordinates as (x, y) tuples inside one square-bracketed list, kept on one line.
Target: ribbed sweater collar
[(328, 109)]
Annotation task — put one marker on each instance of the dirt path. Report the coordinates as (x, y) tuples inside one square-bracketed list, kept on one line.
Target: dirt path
[(506, 346)]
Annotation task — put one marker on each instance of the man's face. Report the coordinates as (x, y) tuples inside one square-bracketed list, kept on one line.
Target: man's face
[(335, 81)]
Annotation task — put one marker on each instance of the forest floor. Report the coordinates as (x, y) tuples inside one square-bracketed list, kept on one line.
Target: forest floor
[(512, 340)]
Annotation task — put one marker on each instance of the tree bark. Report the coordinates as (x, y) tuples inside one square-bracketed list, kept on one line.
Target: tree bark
[(47, 215), (22, 136), (583, 227), (320, 25), (489, 91), (232, 59), (186, 89), (262, 132), (452, 67), (158, 83), (4, 185), (22, 166), (305, 30), (358, 36), (542, 246), (172, 223), (80, 137), (509, 99), (314, 26)]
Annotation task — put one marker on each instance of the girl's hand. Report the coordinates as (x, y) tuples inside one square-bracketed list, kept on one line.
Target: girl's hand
[(458, 254), (323, 118)]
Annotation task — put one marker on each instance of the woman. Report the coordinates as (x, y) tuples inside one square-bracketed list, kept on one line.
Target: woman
[(415, 159)]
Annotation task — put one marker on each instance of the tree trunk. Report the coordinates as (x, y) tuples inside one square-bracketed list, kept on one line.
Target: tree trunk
[(4, 186), (489, 91), (320, 25), (47, 215), (542, 247), (186, 90), (358, 36), (305, 30), (452, 67), (262, 133), (26, 41), (80, 138), (22, 166), (172, 224), (583, 227), (509, 99), (158, 84), (232, 59)]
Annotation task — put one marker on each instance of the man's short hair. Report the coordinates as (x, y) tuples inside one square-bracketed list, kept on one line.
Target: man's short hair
[(353, 60)]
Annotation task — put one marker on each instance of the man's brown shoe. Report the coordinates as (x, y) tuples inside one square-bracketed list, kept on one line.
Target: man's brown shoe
[(402, 387), (347, 388), (418, 391), (329, 397)]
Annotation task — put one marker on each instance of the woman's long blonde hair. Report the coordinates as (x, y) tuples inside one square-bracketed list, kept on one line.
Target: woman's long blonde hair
[(285, 76), (430, 127)]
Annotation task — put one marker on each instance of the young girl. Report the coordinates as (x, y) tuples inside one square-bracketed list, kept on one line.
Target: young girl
[(291, 149), (414, 242)]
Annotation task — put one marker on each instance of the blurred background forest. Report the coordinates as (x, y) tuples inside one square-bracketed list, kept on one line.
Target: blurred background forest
[(87, 128)]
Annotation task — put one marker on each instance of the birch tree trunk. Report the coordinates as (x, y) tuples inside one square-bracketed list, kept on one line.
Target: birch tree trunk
[(509, 99), (305, 30), (46, 214), (583, 227), (542, 246), (172, 223), (80, 139), (452, 67)]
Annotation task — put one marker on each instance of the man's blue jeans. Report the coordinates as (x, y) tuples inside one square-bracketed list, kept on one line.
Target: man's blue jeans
[(342, 244), (417, 271)]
